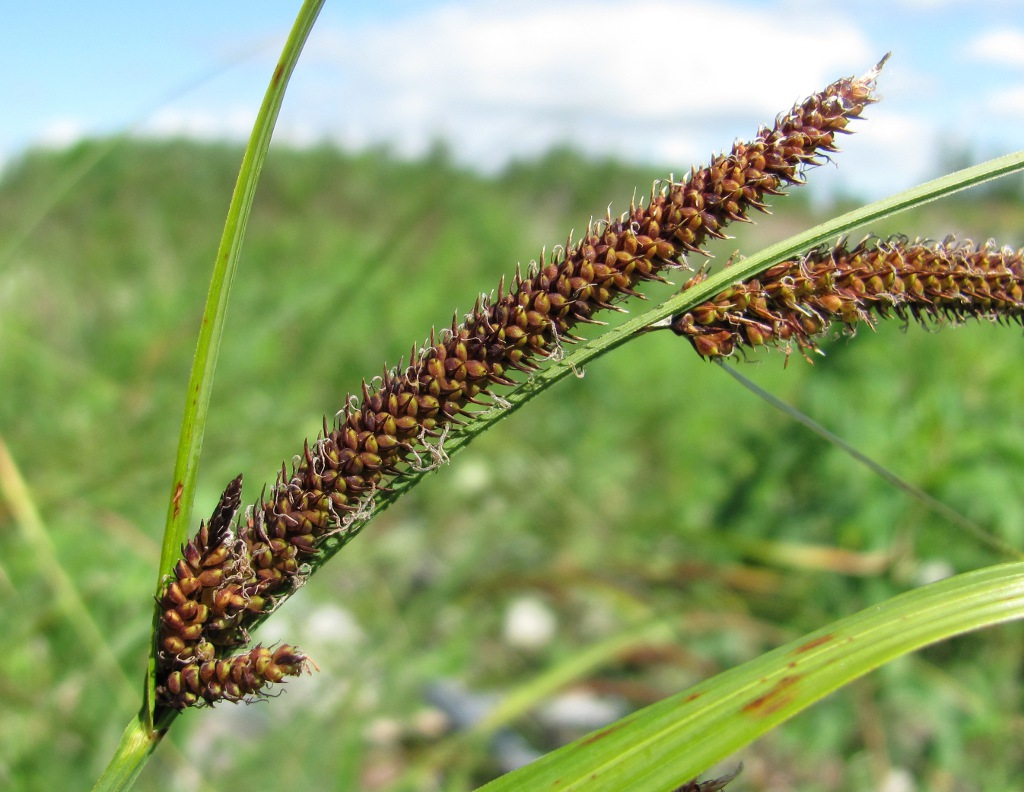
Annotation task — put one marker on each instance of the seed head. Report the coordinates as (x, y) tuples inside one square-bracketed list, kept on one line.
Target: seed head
[(404, 416), (237, 678), (799, 300)]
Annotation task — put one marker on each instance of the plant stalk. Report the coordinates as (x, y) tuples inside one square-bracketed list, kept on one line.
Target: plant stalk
[(140, 738)]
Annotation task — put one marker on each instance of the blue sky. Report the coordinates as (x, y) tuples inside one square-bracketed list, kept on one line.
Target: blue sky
[(647, 80)]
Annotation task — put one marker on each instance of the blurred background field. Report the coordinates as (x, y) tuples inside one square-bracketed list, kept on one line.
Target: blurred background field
[(654, 489)]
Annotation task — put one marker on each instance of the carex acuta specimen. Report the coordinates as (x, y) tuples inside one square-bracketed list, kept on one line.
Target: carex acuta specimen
[(237, 569)]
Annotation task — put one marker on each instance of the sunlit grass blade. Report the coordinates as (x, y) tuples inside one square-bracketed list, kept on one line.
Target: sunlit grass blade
[(66, 596), (666, 744), (200, 384)]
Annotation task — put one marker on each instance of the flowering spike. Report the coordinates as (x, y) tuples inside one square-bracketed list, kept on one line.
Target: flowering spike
[(220, 521), (238, 678), (799, 300), (378, 436)]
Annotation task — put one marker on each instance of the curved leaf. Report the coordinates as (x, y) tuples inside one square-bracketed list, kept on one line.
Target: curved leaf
[(662, 746)]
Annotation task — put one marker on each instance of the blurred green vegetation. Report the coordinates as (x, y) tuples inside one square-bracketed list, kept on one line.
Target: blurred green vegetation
[(654, 487)]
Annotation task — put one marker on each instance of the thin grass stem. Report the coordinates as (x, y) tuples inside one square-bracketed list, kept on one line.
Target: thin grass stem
[(200, 386), (34, 533), (143, 733), (933, 504)]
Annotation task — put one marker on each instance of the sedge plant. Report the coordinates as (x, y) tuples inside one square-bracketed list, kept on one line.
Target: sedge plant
[(218, 584)]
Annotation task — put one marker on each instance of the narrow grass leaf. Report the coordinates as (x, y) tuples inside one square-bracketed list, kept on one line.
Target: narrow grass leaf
[(141, 735), (200, 384), (66, 595), (664, 745), (933, 504)]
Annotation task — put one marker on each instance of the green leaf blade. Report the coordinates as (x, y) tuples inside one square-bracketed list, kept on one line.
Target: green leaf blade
[(134, 751), (670, 742), (211, 330)]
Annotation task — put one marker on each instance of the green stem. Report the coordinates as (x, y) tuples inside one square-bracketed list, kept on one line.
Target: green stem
[(137, 743), (200, 384), (140, 738)]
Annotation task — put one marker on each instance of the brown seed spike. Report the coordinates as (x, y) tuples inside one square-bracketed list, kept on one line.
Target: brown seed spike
[(220, 521), (407, 413), (800, 299)]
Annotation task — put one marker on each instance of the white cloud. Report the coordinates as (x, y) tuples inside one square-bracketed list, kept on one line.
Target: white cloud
[(1008, 102), (662, 81), (897, 151), (999, 46), (935, 5), (233, 123), (650, 79), (61, 133), (930, 5)]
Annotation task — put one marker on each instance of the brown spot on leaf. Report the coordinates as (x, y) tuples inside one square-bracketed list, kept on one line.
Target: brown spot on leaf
[(776, 698), (824, 639), (179, 489), (593, 738)]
